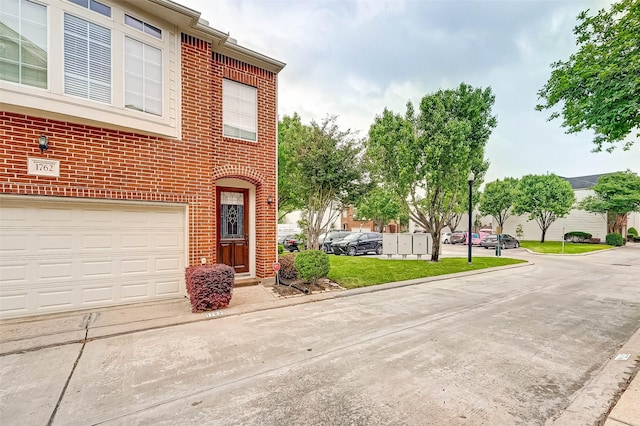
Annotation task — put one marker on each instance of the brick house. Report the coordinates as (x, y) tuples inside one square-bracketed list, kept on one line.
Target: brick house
[(137, 141), (348, 222)]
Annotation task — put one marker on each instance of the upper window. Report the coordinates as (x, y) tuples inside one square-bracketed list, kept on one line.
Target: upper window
[(143, 26), (143, 77), (239, 110), (23, 42), (102, 9), (87, 59)]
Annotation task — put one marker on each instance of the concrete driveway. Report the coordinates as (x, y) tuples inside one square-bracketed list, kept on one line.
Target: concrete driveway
[(529, 345)]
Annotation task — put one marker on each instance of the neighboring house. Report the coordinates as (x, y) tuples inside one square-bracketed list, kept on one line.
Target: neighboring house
[(137, 141), (576, 220), (350, 223)]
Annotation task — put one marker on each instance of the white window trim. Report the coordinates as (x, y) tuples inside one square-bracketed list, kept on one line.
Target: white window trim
[(234, 117), (144, 76), (54, 103)]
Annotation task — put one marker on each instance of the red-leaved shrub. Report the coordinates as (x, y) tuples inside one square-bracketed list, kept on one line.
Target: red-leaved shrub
[(209, 286)]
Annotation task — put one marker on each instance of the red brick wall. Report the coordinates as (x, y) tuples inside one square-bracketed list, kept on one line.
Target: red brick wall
[(101, 163), (254, 162), (348, 223)]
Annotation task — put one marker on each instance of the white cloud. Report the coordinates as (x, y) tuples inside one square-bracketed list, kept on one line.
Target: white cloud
[(354, 58)]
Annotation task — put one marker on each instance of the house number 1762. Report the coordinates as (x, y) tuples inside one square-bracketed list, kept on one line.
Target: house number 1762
[(41, 167)]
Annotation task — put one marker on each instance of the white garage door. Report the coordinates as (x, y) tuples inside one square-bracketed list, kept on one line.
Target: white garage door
[(59, 255)]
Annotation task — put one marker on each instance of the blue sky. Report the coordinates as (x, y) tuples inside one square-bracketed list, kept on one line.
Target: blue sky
[(354, 58)]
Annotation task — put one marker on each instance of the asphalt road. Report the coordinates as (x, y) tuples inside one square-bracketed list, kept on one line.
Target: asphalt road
[(514, 346)]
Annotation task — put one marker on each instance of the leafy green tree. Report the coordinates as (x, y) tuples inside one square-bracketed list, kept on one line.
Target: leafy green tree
[(291, 134), (497, 199), (426, 157), (380, 206), (544, 198), (330, 174), (599, 86), (616, 195)]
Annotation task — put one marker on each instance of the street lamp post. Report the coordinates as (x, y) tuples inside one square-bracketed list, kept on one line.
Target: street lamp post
[(470, 238)]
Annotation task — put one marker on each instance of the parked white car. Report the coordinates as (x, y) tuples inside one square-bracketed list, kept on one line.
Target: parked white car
[(445, 237)]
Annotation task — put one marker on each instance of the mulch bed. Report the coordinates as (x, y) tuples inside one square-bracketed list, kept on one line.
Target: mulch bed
[(283, 290)]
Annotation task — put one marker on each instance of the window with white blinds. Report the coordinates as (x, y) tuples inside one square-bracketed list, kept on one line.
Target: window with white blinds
[(239, 110), (23, 43), (143, 77), (87, 59)]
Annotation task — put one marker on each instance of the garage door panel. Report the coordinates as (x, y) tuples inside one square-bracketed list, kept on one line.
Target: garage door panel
[(135, 290), (96, 242), (135, 241), (167, 287), (14, 304), (168, 241), (13, 244), (63, 258), (55, 270), (135, 217), (13, 275), (135, 266), (95, 217), (55, 299), (57, 243), (98, 294), (98, 268), (169, 264), (62, 216), (14, 214)]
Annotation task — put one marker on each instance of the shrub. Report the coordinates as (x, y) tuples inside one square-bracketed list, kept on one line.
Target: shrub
[(312, 265), (632, 231), (288, 270), (280, 249), (577, 236), (614, 240), (209, 286)]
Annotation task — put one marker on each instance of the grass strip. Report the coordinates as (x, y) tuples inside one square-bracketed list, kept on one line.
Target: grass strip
[(353, 272), (555, 247)]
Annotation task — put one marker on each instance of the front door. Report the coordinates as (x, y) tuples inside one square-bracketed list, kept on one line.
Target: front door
[(233, 229)]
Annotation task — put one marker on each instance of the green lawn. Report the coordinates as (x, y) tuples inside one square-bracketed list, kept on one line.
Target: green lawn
[(352, 272), (555, 247)]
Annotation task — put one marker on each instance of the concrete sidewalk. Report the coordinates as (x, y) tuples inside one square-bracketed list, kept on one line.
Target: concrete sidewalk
[(31, 334)]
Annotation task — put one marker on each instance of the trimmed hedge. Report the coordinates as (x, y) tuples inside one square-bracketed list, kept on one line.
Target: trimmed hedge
[(209, 286), (288, 270), (577, 236), (632, 234), (614, 240), (312, 265)]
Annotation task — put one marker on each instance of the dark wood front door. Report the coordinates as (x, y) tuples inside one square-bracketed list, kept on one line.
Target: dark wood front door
[(233, 227)]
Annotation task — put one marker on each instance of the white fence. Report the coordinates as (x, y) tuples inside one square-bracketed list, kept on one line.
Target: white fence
[(406, 244)]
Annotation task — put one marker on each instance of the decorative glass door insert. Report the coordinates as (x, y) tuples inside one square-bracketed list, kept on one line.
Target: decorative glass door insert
[(232, 215)]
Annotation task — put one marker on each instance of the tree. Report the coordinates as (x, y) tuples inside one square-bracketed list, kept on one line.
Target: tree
[(380, 206), (329, 174), (616, 195), (291, 134), (426, 158), (545, 198), (497, 199), (599, 85)]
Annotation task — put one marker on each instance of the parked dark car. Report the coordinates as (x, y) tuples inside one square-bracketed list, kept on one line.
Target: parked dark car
[(358, 242), (458, 237), (506, 241), (290, 243), (326, 239)]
